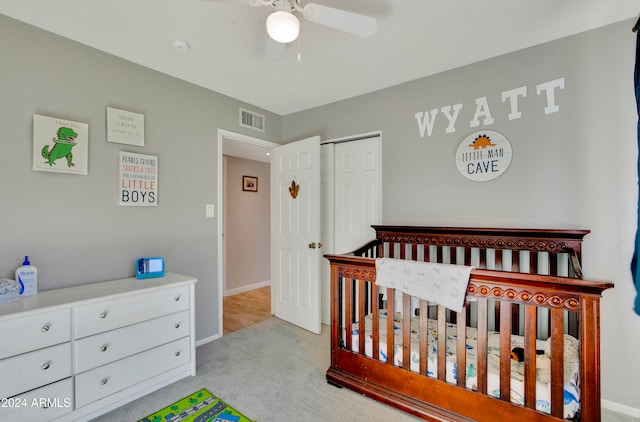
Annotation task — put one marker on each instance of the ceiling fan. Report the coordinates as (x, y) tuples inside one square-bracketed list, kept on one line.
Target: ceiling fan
[(283, 26)]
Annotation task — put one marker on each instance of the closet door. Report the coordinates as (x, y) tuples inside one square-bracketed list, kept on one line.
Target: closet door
[(358, 179)]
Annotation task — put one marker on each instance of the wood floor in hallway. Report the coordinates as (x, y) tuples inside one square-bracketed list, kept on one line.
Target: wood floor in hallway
[(245, 309)]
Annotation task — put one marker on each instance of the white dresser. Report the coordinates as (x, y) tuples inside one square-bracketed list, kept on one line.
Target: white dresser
[(75, 353)]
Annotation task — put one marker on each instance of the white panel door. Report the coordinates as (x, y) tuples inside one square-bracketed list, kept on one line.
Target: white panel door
[(357, 192), (295, 249)]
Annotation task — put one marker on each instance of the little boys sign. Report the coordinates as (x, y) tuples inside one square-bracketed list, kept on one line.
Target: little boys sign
[(138, 180)]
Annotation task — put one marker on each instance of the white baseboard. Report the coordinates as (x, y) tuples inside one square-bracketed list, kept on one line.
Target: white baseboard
[(247, 288), (620, 408), (207, 340)]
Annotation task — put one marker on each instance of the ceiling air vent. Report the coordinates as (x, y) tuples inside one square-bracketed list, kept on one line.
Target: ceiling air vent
[(251, 120)]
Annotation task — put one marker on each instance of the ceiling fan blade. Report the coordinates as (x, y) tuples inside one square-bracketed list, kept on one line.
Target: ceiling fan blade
[(273, 50), (343, 20)]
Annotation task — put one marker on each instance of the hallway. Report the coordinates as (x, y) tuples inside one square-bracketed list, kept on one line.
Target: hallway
[(245, 309)]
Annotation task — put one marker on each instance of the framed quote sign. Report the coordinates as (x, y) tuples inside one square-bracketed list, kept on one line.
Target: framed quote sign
[(125, 127), (138, 182)]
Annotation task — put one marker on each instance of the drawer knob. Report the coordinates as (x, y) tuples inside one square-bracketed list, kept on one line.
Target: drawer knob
[(103, 315), (177, 325), (104, 381), (45, 328), (104, 348), (178, 353), (177, 298), (46, 366)]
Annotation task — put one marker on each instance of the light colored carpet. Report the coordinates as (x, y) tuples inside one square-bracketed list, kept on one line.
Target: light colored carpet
[(273, 371)]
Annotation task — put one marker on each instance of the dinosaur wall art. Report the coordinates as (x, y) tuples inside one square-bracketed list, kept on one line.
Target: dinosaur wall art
[(66, 151)]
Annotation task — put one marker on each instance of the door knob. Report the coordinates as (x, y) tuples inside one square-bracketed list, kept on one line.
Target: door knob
[(312, 245)]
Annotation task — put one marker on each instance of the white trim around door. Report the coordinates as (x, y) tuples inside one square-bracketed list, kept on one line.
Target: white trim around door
[(245, 139)]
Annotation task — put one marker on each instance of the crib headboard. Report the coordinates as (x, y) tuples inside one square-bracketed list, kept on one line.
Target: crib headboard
[(542, 251)]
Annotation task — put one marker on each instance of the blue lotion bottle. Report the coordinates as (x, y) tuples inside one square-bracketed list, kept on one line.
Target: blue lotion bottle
[(27, 277)]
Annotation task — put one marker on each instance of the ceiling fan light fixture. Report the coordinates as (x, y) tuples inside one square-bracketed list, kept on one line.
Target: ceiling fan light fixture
[(283, 26)]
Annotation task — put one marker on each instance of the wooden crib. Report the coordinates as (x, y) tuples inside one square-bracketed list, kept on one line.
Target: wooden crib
[(526, 288)]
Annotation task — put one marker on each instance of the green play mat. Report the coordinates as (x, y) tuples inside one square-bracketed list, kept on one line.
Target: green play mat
[(201, 406)]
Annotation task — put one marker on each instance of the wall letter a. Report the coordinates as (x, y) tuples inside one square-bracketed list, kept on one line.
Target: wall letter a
[(482, 110)]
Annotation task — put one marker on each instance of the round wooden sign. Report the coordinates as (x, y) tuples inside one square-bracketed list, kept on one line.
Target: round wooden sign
[(483, 155)]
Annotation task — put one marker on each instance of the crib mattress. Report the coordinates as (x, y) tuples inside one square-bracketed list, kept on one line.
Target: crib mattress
[(543, 363)]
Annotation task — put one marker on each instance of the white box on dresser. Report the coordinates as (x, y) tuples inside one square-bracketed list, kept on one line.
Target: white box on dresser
[(81, 351)]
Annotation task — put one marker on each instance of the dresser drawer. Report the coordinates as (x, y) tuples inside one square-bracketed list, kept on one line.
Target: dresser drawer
[(33, 332), (100, 349), (104, 316), (105, 380), (40, 405), (31, 370)]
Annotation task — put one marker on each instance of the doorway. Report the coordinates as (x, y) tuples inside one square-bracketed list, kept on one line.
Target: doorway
[(243, 198), (332, 236)]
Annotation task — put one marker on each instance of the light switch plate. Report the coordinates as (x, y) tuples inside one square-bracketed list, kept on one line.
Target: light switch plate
[(210, 210)]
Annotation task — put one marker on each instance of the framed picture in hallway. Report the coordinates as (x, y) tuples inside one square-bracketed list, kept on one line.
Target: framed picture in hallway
[(250, 183)]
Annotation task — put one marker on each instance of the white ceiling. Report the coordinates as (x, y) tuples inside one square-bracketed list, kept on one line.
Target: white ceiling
[(415, 38)]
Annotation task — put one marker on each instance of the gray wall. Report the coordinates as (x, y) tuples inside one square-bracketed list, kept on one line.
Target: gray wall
[(572, 169), (71, 225), (248, 217)]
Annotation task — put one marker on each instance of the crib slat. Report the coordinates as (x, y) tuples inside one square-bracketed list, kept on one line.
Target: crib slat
[(347, 311), (361, 313), (442, 343), (375, 323), (406, 331), (505, 350), (533, 262), (557, 362), (496, 305), (461, 349), (515, 261), (424, 338), (482, 258), (553, 263), (336, 312), (482, 345), (391, 293), (530, 329)]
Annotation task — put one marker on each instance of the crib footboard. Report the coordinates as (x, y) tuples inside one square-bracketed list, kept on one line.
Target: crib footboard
[(508, 354)]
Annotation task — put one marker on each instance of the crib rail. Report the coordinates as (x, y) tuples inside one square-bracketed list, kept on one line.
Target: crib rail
[(355, 295), (545, 251), (535, 251)]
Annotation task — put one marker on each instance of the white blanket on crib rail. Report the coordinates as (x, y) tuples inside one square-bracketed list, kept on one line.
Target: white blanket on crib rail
[(444, 284)]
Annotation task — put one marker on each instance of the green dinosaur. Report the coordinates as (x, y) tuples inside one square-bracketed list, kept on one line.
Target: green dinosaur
[(63, 144)]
